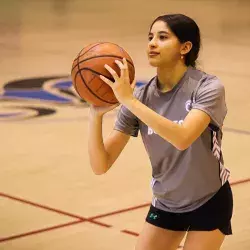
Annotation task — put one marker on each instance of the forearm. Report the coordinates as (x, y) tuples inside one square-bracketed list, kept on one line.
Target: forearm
[(97, 153), (170, 131)]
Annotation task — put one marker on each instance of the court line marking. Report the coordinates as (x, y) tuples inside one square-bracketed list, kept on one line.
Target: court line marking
[(119, 211), (234, 183), (80, 218), (236, 131), (62, 120), (47, 229), (34, 204)]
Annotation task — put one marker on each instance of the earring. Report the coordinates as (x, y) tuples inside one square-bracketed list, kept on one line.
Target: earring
[(182, 57)]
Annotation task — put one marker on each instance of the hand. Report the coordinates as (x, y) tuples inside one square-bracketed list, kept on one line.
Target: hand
[(100, 111), (122, 88)]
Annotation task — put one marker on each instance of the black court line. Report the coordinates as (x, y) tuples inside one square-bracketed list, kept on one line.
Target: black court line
[(86, 118), (236, 131)]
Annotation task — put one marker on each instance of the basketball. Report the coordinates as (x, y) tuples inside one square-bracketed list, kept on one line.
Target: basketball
[(89, 64)]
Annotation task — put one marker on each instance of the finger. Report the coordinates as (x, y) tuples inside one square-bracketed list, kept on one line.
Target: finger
[(106, 80), (121, 66), (112, 72), (126, 72), (133, 84)]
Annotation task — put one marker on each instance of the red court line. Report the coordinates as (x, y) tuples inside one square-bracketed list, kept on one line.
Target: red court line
[(49, 229), (81, 219), (98, 223), (91, 219), (42, 206), (119, 211), (234, 183), (129, 232), (39, 231), (54, 210)]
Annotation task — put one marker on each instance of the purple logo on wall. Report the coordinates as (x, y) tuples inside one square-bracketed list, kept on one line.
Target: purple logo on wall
[(36, 97)]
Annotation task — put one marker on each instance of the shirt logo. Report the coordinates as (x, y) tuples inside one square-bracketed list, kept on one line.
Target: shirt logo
[(151, 131), (188, 105)]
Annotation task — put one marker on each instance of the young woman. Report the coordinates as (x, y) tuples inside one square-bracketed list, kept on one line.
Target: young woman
[(179, 114)]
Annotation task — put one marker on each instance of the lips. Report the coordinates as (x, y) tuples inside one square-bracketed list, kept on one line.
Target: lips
[(153, 53)]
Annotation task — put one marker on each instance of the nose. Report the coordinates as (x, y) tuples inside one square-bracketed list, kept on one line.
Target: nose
[(152, 43)]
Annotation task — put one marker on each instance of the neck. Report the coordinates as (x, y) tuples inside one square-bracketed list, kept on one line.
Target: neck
[(168, 77)]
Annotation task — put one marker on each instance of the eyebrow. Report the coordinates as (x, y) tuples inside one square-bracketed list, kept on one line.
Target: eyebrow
[(160, 32)]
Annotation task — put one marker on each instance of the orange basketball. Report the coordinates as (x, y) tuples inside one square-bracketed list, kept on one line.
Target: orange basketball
[(89, 64)]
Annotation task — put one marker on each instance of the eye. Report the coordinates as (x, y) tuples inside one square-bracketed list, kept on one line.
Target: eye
[(162, 37), (150, 38)]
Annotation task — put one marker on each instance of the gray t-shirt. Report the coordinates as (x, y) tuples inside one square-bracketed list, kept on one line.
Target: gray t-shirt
[(182, 180)]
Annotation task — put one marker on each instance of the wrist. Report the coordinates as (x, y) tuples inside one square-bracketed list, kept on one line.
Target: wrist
[(95, 115), (130, 102)]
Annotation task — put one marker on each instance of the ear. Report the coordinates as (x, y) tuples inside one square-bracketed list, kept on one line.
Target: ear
[(186, 47)]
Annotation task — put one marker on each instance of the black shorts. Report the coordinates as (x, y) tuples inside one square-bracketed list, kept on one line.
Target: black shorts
[(216, 213)]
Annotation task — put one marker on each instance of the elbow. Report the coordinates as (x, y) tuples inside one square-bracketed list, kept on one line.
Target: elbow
[(184, 141), (183, 145), (100, 170), (99, 173)]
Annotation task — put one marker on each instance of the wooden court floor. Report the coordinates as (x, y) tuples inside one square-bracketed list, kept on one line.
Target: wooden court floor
[(49, 197)]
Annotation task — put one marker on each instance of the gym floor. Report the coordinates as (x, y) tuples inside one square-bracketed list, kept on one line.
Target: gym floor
[(49, 196)]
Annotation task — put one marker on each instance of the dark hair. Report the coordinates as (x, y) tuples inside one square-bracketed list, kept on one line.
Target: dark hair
[(185, 29)]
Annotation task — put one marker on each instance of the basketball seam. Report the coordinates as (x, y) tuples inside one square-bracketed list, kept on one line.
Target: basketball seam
[(76, 85), (96, 73), (79, 72), (90, 48), (77, 58), (103, 43), (98, 57)]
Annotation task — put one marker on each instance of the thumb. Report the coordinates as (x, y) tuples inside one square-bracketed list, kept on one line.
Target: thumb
[(113, 106), (116, 105)]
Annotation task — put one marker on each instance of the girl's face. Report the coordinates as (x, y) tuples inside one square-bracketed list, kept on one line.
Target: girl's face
[(164, 48)]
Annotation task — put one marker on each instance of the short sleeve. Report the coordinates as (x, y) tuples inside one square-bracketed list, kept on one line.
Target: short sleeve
[(126, 121), (210, 98)]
